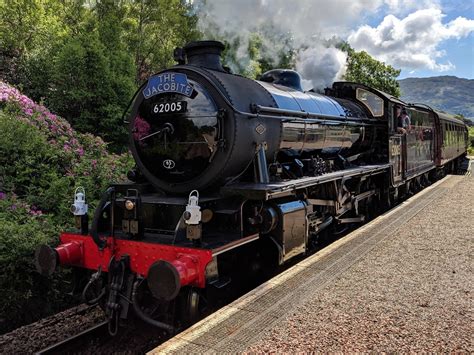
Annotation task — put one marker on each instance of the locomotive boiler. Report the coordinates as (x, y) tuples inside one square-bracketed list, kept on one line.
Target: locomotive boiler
[(196, 126), (235, 177)]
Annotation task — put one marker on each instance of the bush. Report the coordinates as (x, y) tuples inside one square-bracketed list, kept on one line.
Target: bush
[(26, 295), (42, 161), (29, 166)]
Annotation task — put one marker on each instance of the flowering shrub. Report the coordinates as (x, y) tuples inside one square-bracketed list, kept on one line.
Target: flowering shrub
[(27, 296), (42, 161), (45, 164)]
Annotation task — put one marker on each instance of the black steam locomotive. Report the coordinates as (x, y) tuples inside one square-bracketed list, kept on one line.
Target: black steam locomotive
[(235, 177)]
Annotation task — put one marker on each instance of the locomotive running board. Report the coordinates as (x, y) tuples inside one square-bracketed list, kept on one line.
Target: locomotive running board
[(254, 191)]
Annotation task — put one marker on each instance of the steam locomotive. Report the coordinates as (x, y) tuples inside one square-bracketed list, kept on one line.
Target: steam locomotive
[(235, 177)]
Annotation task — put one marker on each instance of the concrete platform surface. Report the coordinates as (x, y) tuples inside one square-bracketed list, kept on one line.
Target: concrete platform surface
[(400, 283)]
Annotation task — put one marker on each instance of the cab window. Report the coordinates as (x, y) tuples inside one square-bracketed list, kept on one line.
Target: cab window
[(371, 101)]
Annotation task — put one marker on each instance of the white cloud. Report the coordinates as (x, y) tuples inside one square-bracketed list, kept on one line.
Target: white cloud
[(407, 6), (412, 42)]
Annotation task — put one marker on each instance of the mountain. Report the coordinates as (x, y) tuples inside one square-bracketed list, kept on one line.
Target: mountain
[(446, 93)]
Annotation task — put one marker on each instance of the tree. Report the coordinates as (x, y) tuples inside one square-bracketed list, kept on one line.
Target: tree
[(461, 117), (154, 28), (84, 58), (26, 24), (364, 69), (258, 58), (91, 87), (28, 29)]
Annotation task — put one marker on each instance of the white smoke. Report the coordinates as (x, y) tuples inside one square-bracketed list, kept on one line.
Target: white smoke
[(309, 24), (320, 66), (408, 37)]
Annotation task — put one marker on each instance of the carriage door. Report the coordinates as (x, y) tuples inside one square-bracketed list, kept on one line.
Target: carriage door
[(395, 145), (396, 156)]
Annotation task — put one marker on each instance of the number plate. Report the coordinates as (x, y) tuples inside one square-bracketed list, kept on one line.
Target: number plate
[(169, 107)]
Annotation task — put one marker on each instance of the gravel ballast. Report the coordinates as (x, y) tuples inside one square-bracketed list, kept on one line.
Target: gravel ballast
[(411, 292)]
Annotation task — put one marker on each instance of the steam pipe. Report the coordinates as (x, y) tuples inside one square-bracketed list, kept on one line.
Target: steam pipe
[(98, 212)]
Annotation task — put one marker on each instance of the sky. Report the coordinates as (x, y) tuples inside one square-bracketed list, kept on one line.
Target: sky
[(421, 37)]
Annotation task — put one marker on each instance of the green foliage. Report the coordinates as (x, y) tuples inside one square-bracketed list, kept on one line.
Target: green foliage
[(87, 91), (470, 149), (44, 173), (257, 58), (85, 59), (363, 68), (42, 161), (28, 30), (28, 164), (28, 24), (461, 117), (26, 296), (153, 29)]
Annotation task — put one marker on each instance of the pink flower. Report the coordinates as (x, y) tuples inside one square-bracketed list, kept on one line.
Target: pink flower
[(141, 128)]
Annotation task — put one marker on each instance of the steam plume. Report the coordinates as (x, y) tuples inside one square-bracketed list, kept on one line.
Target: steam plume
[(307, 24)]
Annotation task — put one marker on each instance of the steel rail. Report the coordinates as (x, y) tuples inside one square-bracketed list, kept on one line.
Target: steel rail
[(64, 346)]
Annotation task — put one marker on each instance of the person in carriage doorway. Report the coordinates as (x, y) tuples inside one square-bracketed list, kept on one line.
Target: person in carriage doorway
[(403, 122)]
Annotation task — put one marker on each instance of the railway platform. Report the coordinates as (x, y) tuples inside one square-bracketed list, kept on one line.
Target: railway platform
[(402, 282)]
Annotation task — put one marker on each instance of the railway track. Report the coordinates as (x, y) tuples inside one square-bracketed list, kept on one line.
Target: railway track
[(47, 331), (136, 337), (76, 341)]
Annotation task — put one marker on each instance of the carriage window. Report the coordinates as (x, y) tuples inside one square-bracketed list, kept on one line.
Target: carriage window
[(371, 101)]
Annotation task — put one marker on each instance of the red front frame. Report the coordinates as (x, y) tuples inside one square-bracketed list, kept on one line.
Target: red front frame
[(142, 255)]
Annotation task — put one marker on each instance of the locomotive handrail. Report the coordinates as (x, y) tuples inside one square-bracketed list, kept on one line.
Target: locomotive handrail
[(309, 120), (257, 109), (305, 114), (318, 120)]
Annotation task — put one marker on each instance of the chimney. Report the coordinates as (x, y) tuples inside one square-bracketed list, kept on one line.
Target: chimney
[(205, 54)]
